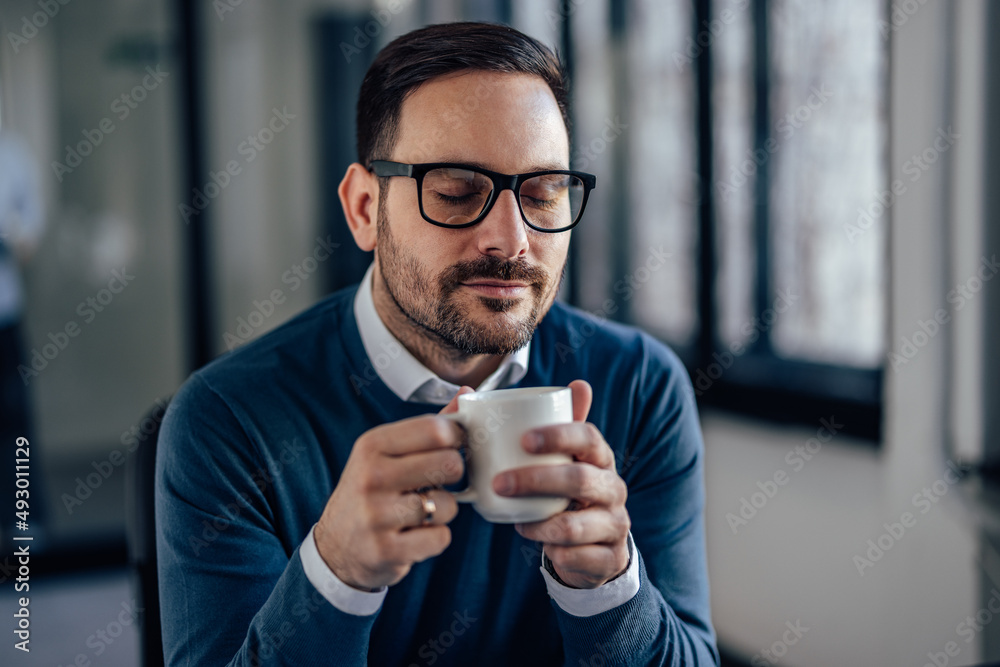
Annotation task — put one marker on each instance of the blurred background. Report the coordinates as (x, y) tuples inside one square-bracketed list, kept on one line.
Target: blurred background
[(793, 194)]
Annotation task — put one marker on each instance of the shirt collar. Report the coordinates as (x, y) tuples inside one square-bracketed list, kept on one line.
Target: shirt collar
[(403, 373)]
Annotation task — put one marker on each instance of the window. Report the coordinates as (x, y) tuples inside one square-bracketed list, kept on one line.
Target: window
[(754, 159)]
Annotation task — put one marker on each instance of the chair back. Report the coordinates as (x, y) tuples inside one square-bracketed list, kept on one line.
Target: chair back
[(141, 533)]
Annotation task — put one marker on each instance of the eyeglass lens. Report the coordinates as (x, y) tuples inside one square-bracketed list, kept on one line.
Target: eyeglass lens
[(456, 196)]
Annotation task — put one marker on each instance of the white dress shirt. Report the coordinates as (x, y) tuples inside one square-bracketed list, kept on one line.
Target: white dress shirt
[(405, 376), (413, 382)]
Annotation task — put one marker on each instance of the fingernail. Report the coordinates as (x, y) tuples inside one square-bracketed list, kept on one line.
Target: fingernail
[(503, 484), (533, 442)]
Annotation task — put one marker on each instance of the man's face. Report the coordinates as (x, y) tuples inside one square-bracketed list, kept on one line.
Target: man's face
[(481, 289)]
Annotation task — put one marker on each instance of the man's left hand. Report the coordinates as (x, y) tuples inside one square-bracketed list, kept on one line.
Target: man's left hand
[(588, 544)]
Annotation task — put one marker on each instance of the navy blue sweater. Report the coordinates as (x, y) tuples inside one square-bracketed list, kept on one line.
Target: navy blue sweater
[(253, 445)]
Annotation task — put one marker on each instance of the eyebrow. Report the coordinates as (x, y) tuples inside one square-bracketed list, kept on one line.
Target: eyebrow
[(552, 166)]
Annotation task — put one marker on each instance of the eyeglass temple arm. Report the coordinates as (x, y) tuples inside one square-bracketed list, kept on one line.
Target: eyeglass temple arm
[(388, 168)]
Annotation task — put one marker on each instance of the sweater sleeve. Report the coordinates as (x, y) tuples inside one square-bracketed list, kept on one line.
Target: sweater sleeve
[(231, 592), (668, 621)]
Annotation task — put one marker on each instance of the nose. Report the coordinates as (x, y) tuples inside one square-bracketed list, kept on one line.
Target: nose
[(503, 233)]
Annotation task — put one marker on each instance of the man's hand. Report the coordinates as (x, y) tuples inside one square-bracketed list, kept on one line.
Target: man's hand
[(588, 546), (371, 531)]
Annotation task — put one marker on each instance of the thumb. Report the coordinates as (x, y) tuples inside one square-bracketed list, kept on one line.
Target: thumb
[(583, 396), (453, 403)]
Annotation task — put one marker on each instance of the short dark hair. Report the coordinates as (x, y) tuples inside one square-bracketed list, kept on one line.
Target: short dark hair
[(421, 55)]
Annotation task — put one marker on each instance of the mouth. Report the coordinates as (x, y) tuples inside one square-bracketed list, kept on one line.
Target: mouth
[(497, 288)]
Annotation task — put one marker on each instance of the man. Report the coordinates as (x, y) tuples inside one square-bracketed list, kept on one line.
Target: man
[(300, 517), (22, 222)]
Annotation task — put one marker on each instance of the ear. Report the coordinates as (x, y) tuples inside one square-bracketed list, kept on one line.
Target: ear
[(359, 198)]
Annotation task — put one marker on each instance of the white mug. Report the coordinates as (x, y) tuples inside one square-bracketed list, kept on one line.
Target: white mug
[(495, 421)]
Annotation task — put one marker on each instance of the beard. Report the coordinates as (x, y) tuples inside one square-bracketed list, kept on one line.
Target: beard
[(446, 319)]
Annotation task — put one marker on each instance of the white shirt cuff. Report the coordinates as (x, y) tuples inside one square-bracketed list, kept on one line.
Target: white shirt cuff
[(345, 598), (594, 601)]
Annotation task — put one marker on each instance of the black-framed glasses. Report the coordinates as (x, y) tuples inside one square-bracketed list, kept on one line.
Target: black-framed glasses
[(460, 195)]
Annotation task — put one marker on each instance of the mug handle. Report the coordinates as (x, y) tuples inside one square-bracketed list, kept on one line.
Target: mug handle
[(467, 495)]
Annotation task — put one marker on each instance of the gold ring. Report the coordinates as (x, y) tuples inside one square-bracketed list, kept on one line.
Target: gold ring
[(429, 507)]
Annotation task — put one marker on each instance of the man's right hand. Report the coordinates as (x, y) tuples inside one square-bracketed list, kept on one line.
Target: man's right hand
[(371, 531)]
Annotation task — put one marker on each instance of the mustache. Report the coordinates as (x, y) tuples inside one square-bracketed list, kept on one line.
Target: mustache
[(488, 266)]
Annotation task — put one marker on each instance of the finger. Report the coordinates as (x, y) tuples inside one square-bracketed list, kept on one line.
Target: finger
[(581, 440), (580, 481), (419, 470), (415, 434), (417, 544), (407, 510), (453, 403), (590, 526), (583, 396)]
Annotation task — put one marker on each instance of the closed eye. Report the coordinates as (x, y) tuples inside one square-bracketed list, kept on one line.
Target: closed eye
[(453, 199), (542, 204)]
